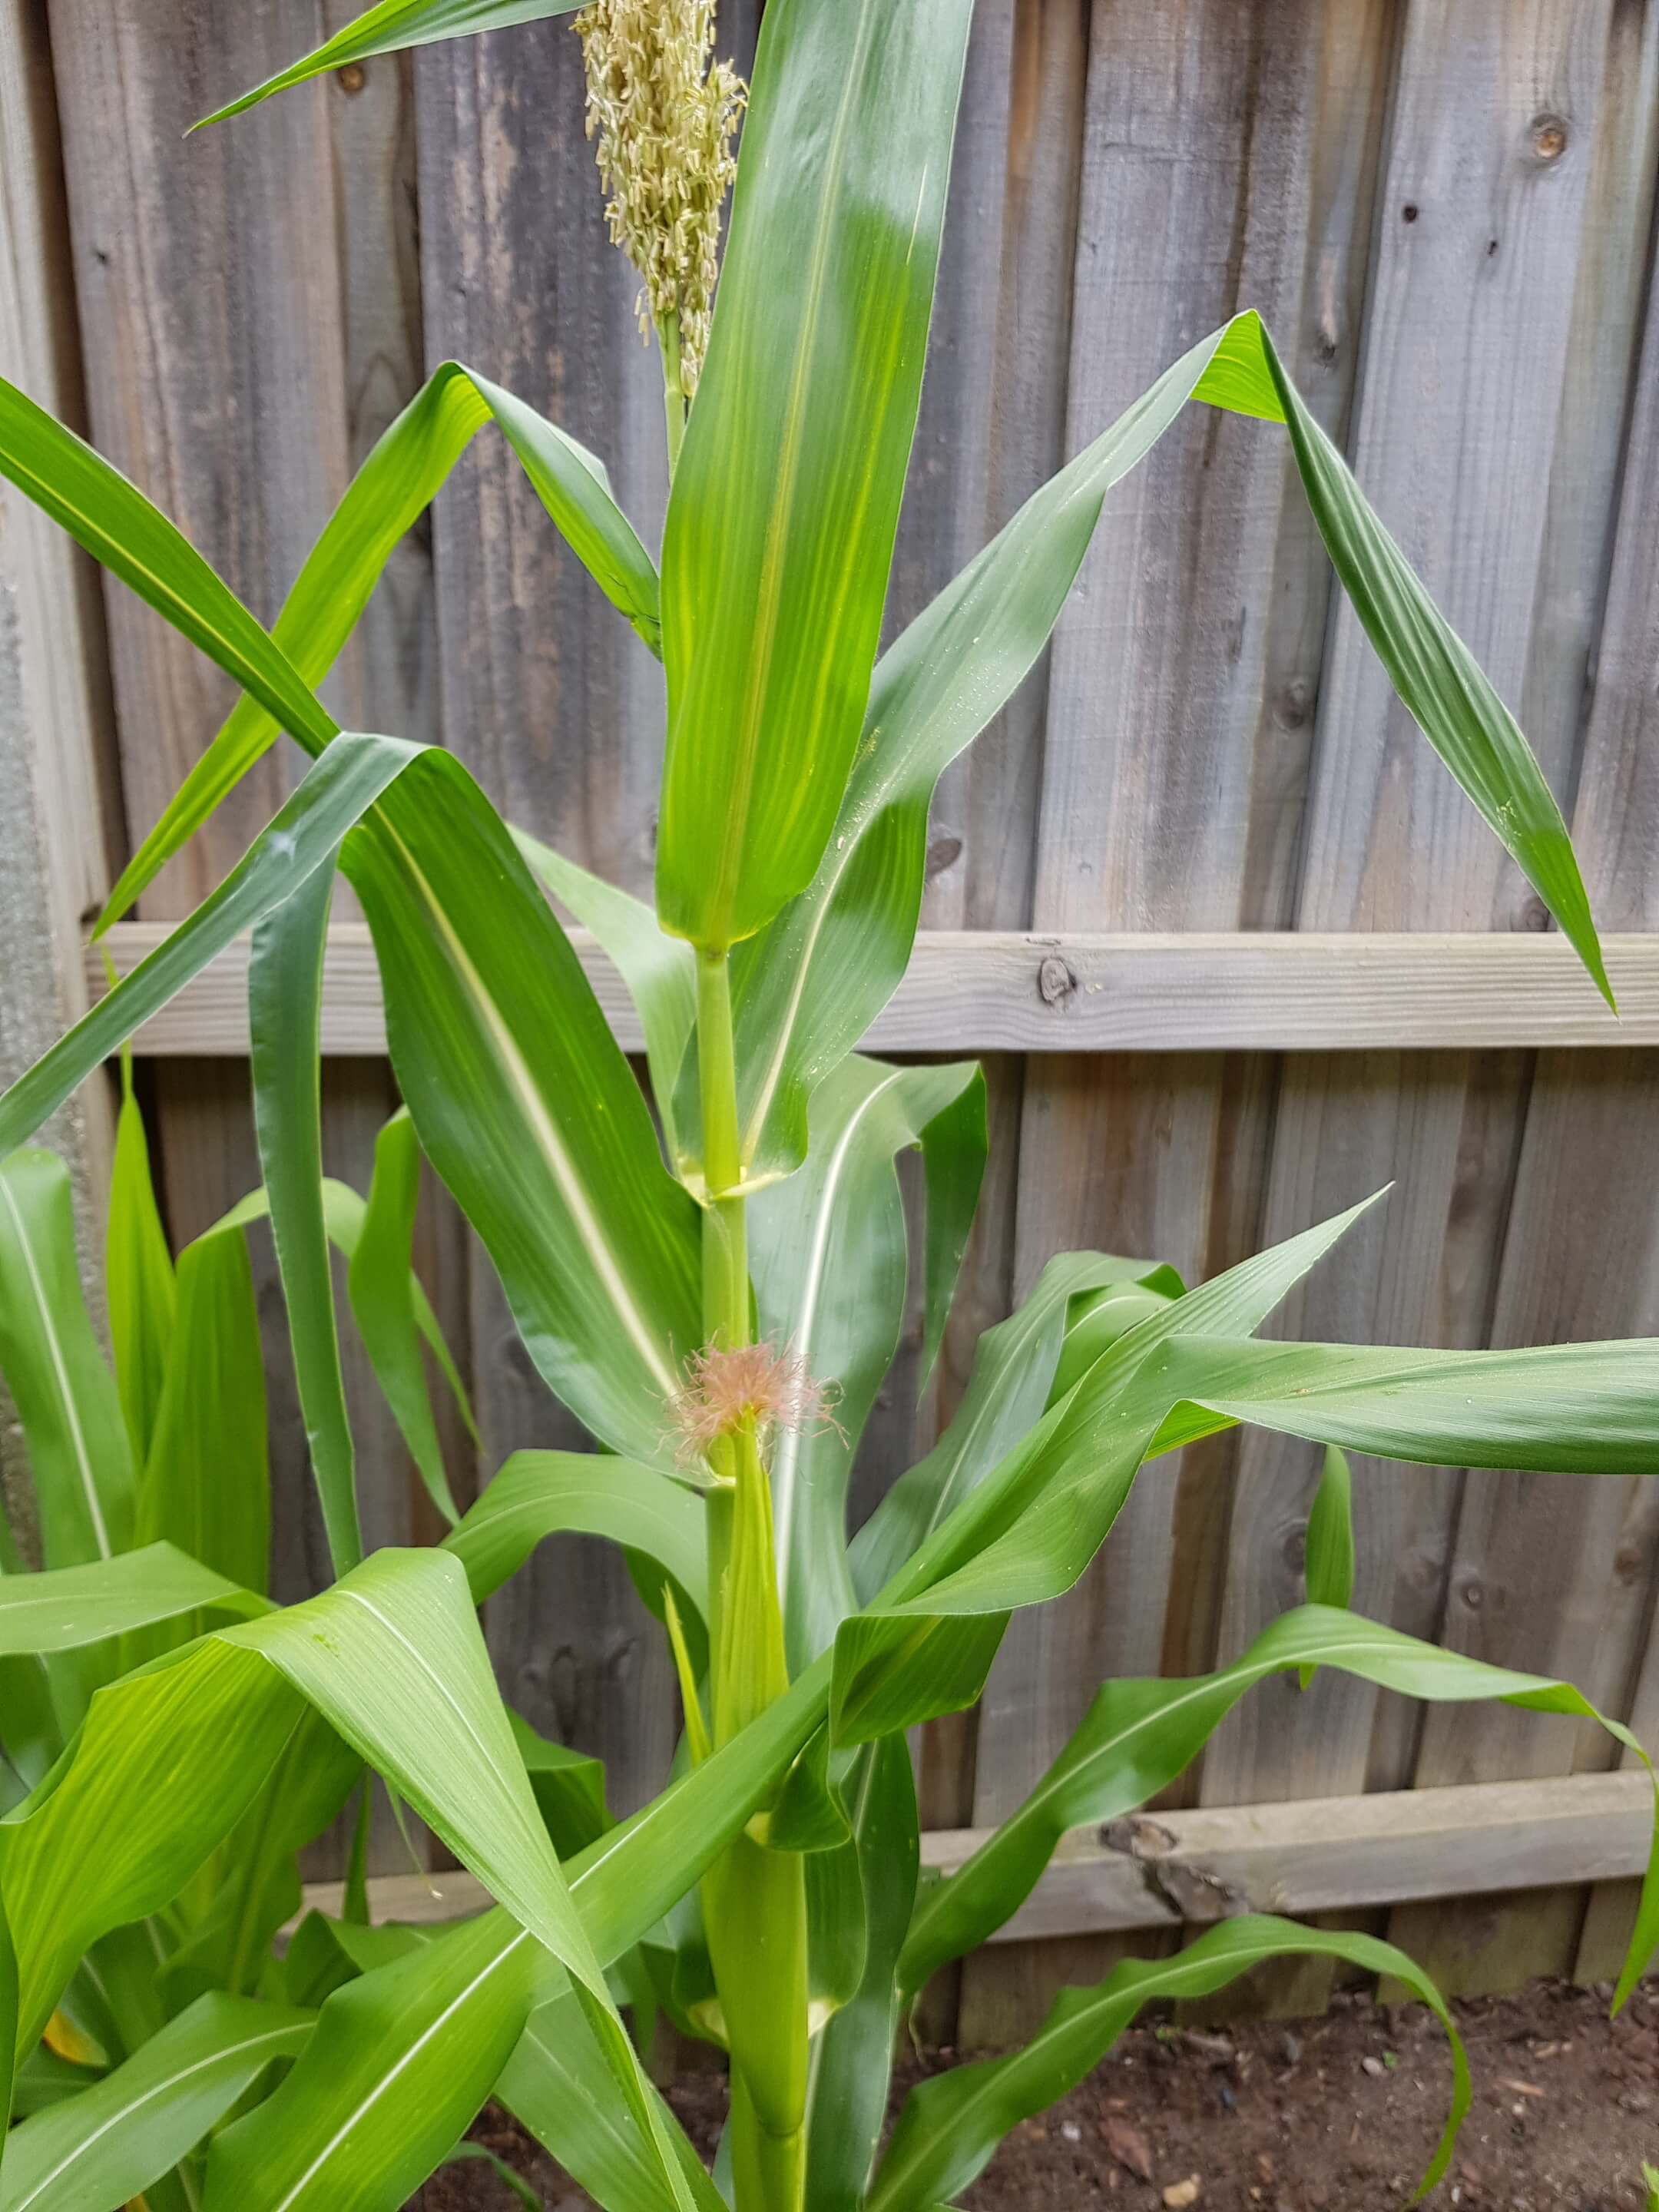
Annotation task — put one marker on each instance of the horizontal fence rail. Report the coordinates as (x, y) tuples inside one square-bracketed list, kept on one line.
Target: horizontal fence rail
[(1003, 991)]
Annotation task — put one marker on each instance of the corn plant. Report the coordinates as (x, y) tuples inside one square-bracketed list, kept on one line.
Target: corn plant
[(715, 1292)]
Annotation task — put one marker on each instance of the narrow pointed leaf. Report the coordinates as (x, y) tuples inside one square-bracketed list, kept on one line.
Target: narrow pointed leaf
[(411, 459), (389, 27), (828, 1255), (1328, 1569), (302, 837), (381, 1286), (285, 1018), (65, 1396), (780, 522), (1137, 1736), (138, 1278), (951, 2126), (526, 1106), (114, 2139), (539, 1494)]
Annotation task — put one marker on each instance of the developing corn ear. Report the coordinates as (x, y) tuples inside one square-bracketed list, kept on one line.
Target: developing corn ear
[(716, 1292)]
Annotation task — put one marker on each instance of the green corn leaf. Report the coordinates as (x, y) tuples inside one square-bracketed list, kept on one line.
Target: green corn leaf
[(410, 460), (138, 1278), (9, 2069), (206, 1485), (950, 2126), (660, 972), (65, 1397), (1014, 1369), (355, 2124), (555, 2086), (846, 2101), (1137, 1736), (1329, 1570), (116, 2138), (390, 27), (954, 1147), (1437, 677), (780, 521), (303, 836), (67, 1607), (119, 527), (285, 1018), (526, 1106), (827, 1253), (382, 1285), (539, 1494)]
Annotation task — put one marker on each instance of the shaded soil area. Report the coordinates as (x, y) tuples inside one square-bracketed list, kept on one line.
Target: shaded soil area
[(1337, 2114)]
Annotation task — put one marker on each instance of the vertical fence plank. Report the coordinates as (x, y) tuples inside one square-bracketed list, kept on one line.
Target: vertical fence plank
[(1552, 1575), (58, 801), (1179, 715), (1480, 237)]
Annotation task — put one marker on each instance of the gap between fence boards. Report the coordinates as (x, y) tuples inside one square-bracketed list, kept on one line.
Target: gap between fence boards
[(1313, 1855), (1003, 991)]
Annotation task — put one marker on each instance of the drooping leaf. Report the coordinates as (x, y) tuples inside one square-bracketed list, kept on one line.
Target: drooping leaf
[(1137, 1736), (138, 1278), (951, 2124), (391, 26), (285, 1019), (67, 1607), (539, 1494), (382, 1286), (303, 836), (65, 1396), (410, 460), (526, 1106), (828, 1256), (780, 521), (660, 972), (115, 2138)]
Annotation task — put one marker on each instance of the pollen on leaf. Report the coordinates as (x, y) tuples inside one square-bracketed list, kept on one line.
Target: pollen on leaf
[(760, 1382)]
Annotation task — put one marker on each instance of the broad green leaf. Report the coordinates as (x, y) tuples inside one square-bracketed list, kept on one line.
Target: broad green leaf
[(381, 1286), (285, 1019), (410, 460), (539, 1494), (1137, 1736), (68, 1606), (119, 527), (206, 1485), (526, 1106), (138, 1278), (828, 1256), (556, 2085), (780, 521), (568, 1789), (65, 1396), (1328, 1567), (303, 836), (660, 972), (389, 27), (950, 2126), (1014, 1368), (1437, 677), (955, 1145), (8, 2035), (846, 2102), (353, 2126), (116, 2138)]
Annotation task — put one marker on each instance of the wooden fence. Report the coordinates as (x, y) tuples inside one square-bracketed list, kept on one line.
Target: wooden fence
[(1237, 950)]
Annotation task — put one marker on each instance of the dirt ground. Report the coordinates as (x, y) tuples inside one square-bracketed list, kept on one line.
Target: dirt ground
[(1334, 2115)]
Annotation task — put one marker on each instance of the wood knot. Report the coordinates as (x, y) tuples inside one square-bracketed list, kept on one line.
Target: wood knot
[(350, 79), (1548, 136), (944, 852), (1055, 980)]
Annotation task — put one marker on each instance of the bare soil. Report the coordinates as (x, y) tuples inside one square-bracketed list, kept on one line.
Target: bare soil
[(1337, 2114)]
